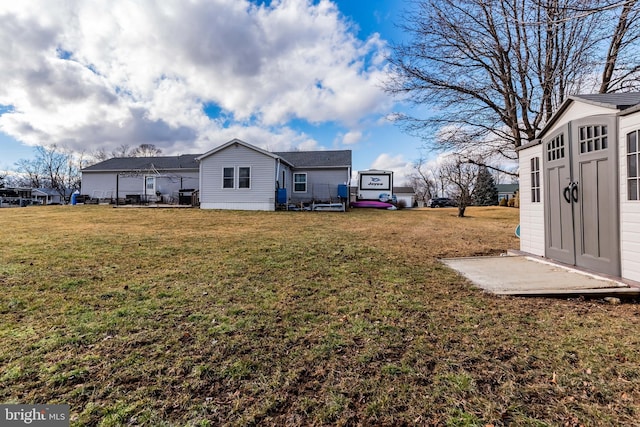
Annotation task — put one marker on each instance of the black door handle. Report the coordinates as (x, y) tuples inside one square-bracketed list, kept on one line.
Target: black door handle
[(567, 194), (574, 192)]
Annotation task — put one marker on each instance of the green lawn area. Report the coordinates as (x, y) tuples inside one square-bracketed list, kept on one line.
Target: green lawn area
[(203, 318)]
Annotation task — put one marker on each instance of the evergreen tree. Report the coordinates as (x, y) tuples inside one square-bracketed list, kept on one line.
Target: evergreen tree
[(485, 192)]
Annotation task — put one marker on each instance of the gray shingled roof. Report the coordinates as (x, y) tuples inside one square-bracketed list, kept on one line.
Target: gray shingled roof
[(403, 190), (185, 161), (507, 188), (620, 101), (311, 159), (299, 159)]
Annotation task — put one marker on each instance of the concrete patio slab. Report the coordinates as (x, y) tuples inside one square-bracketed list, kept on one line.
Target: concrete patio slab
[(528, 276)]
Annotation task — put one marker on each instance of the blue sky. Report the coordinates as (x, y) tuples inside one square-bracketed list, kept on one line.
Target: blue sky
[(289, 74)]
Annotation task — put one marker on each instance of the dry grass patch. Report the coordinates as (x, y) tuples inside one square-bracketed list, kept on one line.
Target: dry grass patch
[(193, 317)]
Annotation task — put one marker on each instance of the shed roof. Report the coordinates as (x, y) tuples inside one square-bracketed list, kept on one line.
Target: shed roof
[(614, 101), (619, 101), (185, 161)]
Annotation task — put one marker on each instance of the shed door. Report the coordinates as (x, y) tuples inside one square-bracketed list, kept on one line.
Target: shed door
[(559, 227), (595, 176), (581, 214)]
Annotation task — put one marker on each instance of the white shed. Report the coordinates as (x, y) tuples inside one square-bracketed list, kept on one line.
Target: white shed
[(580, 186)]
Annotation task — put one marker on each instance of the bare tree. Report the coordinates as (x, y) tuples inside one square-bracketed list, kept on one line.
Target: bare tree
[(496, 70), (54, 168), (123, 150), (461, 176), (422, 180), (623, 58), (145, 150), (31, 173)]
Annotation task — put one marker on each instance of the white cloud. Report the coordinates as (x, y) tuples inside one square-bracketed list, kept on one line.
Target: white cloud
[(351, 137), (92, 74)]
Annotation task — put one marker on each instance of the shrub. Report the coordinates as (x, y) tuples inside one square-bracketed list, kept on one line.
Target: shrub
[(503, 202)]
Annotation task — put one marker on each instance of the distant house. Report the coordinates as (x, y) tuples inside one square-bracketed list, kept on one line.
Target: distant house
[(406, 195), (506, 191), (235, 175), (48, 196)]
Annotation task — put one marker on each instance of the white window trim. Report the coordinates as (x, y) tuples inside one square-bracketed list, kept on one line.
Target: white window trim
[(535, 176), (148, 191), (628, 154), (233, 186), (306, 182), (236, 178), (238, 175)]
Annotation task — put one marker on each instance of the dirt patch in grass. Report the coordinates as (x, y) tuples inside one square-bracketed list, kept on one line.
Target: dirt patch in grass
[(194, 317)]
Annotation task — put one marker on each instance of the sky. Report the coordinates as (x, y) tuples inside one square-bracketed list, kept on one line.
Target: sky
[(189, 76)]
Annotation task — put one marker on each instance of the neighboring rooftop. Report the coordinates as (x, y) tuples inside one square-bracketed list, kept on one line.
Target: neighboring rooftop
[(404, 190), (507, 188)]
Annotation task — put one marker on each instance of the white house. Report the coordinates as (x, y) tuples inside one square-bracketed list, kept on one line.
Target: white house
[(580, 186), (235, 175), (238, 175)]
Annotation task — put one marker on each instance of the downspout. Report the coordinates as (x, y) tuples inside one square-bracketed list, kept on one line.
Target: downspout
[(275, 205)]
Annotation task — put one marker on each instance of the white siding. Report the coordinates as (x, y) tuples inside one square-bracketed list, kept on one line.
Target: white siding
[(576, 111), (531, 214), (260, 196), (99, 185), (629, 209), (240, 206)]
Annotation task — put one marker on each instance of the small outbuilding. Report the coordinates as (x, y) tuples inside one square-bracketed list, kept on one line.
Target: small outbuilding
[(580, 186)]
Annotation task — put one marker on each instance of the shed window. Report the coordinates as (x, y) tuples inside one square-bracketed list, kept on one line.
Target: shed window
[(633, 165), (535, 179), (555, 148), (300, 182), (227, 178), (244, 177), (593, 138)]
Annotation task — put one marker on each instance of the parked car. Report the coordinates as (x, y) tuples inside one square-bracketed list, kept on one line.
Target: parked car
[(442, 202)]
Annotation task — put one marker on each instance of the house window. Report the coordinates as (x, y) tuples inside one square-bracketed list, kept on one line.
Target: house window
[(593, 138), (535, 179), (227, 177), (633, 165), (300, 182), (555, 148), (244, 177)]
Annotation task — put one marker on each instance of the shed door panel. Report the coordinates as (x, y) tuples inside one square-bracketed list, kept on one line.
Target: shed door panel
[(582, 212), (559, 213), (596, 210)]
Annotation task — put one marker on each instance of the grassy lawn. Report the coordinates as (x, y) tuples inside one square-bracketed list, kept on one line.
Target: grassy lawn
[(206, 318)]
